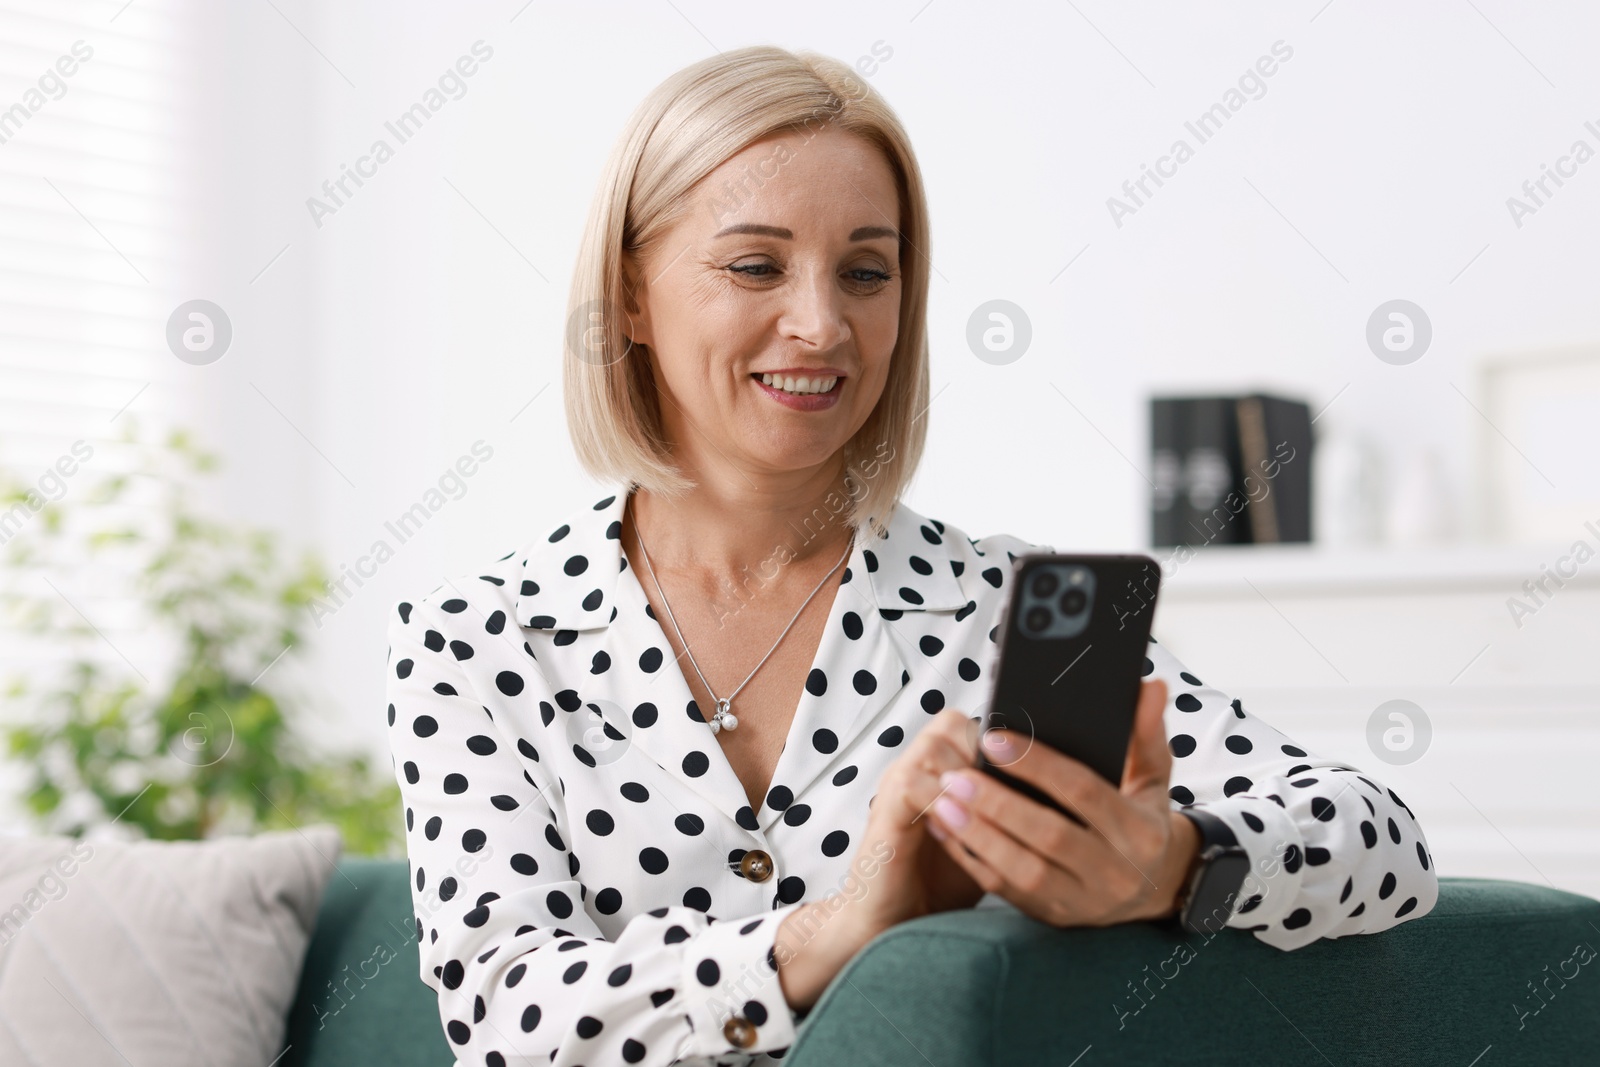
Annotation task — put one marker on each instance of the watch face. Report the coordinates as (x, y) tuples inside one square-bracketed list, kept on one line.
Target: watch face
[(1215, 897)]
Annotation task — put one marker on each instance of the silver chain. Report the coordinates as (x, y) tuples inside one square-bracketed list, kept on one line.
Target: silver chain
[(723, 717)]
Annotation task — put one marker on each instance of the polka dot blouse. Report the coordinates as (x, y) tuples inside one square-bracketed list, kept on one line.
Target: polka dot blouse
[(590, 882)]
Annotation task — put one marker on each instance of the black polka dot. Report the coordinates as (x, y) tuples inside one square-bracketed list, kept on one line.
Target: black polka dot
[(508, 682), (1238, 744), (599, 822), (708, 972), (530, 1018), (1181, 745), (816, 682), (653, 860), (1297, 918), (825, 741), (696, 763), (835, 843)]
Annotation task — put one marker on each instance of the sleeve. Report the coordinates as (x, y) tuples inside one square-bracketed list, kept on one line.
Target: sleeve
[(505, 933), (1332, 851)]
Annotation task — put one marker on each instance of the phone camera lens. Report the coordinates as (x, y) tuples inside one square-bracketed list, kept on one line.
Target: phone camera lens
[(1037, 619), (1045, 583), (1073, 601)]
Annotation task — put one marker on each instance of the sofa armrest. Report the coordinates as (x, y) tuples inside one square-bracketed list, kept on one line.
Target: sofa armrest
[(990, 986)]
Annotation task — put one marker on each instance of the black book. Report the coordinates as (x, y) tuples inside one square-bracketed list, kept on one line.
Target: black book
[(1212, 475), (1275, 452), (1168, 430)]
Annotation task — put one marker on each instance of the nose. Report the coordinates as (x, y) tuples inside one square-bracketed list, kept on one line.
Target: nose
[(814, 312)]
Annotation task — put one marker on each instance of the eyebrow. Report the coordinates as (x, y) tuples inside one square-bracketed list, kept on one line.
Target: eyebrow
[(863, 233)]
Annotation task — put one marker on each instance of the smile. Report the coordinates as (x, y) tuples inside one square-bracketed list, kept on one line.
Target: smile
[(799, 392)]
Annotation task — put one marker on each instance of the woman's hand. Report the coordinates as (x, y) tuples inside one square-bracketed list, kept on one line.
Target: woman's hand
[(1125, 863), (898, 872)]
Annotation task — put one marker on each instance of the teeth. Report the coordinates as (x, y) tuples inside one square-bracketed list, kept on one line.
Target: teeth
[(798, 385)]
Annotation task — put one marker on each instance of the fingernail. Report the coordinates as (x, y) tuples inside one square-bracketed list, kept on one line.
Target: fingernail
[(957, 785), (936, 831), (953, 814), (998, 744)]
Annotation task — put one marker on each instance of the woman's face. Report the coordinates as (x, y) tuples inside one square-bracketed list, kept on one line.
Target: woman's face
[(786, 264)]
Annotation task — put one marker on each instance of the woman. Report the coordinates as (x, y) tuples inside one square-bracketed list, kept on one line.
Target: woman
[(668, 767)]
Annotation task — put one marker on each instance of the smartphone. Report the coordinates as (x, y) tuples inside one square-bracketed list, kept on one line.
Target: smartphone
[(1072, 651)]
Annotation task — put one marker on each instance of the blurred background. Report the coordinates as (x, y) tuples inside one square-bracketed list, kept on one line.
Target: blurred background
[(269, 269)]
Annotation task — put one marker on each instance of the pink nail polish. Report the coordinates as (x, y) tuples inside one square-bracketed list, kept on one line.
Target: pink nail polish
[(957, 785), (996, 744), (953, 814)]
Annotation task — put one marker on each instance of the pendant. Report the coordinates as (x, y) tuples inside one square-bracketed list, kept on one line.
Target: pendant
[(724, 718)]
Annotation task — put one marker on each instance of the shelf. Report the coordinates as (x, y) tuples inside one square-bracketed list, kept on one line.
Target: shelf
[(1230, 570)]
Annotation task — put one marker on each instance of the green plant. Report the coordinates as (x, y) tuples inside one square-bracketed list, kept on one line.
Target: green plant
[(209, 748)]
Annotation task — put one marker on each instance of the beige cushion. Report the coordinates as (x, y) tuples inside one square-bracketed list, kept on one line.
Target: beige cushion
[(155, 952)]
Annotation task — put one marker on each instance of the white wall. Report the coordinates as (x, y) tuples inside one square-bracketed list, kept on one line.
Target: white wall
[(426, 314)]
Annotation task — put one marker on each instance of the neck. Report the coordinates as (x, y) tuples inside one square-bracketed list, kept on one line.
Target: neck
[(731, 526)]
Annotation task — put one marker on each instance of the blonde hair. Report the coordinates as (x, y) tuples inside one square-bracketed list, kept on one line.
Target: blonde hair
[(688, 126)]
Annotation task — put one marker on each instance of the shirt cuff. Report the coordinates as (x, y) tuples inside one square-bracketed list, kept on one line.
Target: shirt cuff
[(735, 1002), (1277, 857)]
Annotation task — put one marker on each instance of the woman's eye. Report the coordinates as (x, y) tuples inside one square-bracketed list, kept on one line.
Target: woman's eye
[(753, 270), (869, 276)]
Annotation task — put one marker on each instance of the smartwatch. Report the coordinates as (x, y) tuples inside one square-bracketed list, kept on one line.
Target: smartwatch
[(1210, 893)]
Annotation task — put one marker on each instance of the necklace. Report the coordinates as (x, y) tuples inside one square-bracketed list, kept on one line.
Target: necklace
[(724, 718)]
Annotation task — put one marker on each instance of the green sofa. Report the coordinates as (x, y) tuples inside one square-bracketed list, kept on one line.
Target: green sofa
[(1456, 988)]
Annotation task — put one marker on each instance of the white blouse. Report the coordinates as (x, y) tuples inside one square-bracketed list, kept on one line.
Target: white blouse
[(590, 882)]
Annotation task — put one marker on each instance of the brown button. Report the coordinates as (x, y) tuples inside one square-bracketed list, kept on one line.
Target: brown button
[(756, 865), (740, 1032)]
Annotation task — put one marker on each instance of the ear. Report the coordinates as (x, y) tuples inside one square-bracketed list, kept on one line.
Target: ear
[(635, 301)]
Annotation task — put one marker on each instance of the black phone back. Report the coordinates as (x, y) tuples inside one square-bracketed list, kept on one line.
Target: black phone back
[(1072, 650)]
